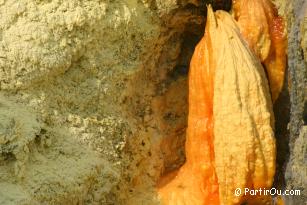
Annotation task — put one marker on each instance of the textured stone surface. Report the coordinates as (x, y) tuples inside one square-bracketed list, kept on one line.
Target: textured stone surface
[(99, 86), (296, 167)]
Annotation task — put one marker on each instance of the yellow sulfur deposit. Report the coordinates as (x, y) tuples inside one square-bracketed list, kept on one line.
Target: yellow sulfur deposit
[(196, 183), (230, 141), (265, 33), (244, 141)]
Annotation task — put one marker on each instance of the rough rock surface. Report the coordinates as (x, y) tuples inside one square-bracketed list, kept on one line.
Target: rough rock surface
[(93, 96), (292, 118), (296, 171), (89, 92)]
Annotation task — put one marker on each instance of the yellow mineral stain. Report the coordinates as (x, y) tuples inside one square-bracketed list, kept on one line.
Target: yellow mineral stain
[(265, 33), (196, 182), (230, 140)]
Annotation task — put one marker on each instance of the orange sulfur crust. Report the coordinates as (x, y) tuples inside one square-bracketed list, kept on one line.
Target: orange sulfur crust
[(265, 33), (230, 140), (196, 182), (244, 143)]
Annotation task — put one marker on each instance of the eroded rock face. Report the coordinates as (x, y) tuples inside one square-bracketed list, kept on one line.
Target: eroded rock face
[(296, 167), (303, 28), (99, 85), (41, 164)]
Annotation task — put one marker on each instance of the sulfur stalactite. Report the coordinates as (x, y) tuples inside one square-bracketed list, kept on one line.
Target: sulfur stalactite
[(196, 181), (230, 140), (244, 142), (264, 30)]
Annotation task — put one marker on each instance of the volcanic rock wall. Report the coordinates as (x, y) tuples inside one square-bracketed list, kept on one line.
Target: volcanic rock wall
[(93, 97), (296, 171), (89, 90)]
